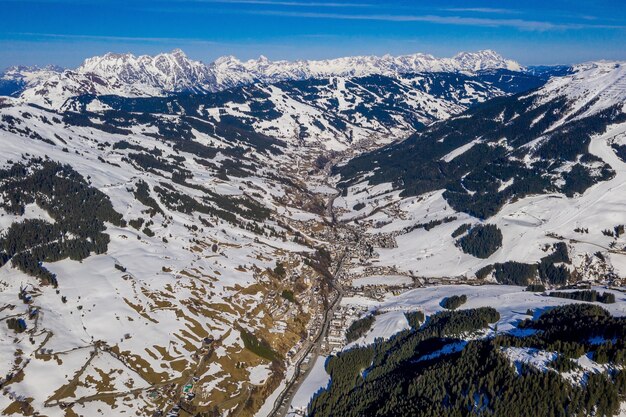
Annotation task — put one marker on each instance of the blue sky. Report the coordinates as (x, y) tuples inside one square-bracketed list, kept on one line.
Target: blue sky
[(64, 32)]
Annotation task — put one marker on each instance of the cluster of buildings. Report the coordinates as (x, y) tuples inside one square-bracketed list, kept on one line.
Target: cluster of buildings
[(343, 317)]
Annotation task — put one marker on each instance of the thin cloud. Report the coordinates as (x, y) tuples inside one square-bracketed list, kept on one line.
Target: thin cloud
[(530, 25), (283, 3), (63, 36), (482, 10)]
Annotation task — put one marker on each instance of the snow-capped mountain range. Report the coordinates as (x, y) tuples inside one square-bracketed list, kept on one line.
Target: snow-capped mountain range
[(139, 76)]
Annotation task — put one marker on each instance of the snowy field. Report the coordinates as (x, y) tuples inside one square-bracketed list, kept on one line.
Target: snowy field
[(510, 301)]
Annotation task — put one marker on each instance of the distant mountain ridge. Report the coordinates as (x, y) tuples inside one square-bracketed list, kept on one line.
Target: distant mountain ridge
[(335, 111), (140, 76)]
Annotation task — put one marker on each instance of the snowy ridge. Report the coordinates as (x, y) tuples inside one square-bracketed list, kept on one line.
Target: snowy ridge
[(175, 72), (593, 87), (164, 72)]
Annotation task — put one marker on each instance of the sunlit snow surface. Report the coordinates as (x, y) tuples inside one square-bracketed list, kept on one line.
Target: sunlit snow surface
[(316, 380), (150, 313), (512, 303)]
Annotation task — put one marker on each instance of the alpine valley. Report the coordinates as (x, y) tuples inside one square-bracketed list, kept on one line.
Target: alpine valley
[(361, 236)]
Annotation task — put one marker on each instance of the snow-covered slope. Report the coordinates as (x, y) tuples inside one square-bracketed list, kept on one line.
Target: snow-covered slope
[(591, 88), (212, 191), (139, 76), (206, 220), (544, 168), (208, 272)]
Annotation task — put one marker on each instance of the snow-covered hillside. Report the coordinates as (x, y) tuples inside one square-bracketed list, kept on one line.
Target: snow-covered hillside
[(190, 272), (592, 87), (337, 112), (514, 308), (543, 168)]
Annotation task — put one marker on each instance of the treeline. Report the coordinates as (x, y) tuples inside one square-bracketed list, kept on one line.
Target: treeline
[(586, 295), (575, 329), (555, 274), (429, 225), (620, 151), (226, 208), (536, 288), (359, 327), (151, 163), (78, 209), (455, 323), (461, 230), (142, 194), (415, 318), (509, 273), (411, 375), (454, 301), (523, 274)]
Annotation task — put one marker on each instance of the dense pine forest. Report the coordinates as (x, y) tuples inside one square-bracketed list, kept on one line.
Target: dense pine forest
[(589, 296), (79, 212), (481, 241), (429, 371), (453, 302), (359, 327)]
